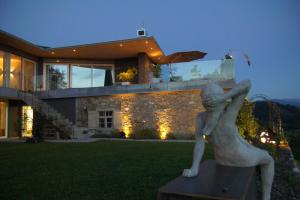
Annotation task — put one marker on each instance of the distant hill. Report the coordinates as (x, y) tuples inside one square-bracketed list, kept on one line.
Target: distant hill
[(293, 102), (290, 115)]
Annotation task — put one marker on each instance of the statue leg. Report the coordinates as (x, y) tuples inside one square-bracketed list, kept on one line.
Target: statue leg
[(267, 173)]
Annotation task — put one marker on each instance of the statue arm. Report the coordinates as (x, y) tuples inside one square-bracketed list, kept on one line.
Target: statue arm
[(237, 94), (241, 88), (198, 149)]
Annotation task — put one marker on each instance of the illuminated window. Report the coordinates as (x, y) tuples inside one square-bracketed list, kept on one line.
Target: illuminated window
[(15, 72), (106, 119), (1, 68)]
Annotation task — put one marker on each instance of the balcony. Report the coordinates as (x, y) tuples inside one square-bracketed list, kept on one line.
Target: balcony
[(174, 77)]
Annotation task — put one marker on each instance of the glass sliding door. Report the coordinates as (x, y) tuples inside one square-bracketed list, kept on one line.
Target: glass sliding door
[(15, 72), (29, 75), (57, 76), (3, 107), (2, 68), (81, 76)]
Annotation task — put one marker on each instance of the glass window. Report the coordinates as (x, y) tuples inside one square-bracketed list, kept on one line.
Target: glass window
[(2, 71), (98, 77), (29, 76), (81, 76), (15, 72), (105, 119), (57, 76)]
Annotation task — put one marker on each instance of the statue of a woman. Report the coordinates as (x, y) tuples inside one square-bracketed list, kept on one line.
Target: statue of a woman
[(218, 126)]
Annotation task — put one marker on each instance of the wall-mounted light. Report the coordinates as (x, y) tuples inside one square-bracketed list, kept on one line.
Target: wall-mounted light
[(84, 108)]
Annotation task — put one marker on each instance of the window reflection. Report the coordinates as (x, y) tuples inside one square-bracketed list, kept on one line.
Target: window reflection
[(81, 76), (199, 70), (57, 75), (98, 77), (29, 69)]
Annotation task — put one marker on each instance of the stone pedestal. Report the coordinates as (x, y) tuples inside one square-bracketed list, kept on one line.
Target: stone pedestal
[(213, 182)]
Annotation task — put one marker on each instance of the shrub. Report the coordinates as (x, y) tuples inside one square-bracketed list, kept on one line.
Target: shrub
[(145, 134), (117, 134), (171, 136)]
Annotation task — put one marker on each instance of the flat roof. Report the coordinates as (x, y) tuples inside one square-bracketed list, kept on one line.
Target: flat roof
[(104, 50), (111, 50)]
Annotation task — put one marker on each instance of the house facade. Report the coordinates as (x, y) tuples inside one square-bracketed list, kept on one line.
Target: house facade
[(80, 90)]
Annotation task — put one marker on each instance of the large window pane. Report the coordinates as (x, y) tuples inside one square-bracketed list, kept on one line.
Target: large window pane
[(15, 72), (29, 69), (98, 77), (57, 76), (2, 68), (81, 76)]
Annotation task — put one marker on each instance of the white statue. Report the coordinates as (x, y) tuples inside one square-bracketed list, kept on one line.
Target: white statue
[(218, 126)]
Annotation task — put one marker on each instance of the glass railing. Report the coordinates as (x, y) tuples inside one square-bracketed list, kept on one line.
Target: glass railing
[(216, 70)]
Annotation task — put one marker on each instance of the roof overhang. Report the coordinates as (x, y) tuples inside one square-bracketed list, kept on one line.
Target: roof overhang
[(97, 51)]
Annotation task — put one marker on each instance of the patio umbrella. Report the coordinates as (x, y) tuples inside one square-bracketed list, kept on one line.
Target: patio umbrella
[(185, 56)]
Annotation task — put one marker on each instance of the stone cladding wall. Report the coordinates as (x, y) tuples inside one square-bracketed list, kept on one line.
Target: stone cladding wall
[(166, 112)]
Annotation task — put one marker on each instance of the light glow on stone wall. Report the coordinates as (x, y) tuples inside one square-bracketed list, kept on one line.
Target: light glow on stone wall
[(127, 125), (126, 110), (163, 123)]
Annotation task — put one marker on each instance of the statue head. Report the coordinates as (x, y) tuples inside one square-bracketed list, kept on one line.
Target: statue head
[(212, 114)]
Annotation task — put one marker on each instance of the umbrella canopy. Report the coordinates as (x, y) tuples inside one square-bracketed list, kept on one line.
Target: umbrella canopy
[(186, 56)]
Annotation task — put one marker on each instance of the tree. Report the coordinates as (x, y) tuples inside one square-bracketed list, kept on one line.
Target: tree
[(247, 123)]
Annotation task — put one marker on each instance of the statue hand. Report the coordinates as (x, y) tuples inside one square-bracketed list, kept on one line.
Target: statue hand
[(190, 172), (213, 101)]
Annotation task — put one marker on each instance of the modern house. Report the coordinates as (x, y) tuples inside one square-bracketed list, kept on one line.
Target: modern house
[(102, 87)]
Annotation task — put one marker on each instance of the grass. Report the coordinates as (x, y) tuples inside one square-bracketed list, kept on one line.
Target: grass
[(101, 170)]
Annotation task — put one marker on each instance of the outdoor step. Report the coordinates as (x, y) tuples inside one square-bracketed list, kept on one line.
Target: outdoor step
[(56, 119)]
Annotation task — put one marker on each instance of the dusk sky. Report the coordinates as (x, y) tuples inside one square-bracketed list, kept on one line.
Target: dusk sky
[(268, 31)]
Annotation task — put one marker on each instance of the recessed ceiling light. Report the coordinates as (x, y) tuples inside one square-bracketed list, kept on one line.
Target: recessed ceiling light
[(151, 48), (57, 60)]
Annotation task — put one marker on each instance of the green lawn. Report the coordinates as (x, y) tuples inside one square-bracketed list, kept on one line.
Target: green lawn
[(100, 170)]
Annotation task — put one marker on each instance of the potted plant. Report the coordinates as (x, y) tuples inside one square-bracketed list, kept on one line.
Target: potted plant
[(127, 76), (156, 69)]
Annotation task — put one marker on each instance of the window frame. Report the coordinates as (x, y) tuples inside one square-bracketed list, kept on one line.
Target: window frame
[(69, 84), (105, 117)]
